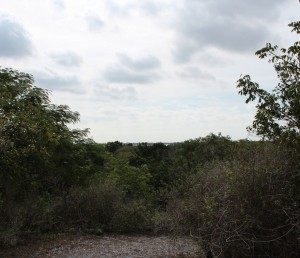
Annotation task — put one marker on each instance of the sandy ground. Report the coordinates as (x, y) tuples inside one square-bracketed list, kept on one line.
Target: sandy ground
[(88, 246)]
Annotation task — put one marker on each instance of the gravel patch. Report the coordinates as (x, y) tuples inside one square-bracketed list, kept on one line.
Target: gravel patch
[(107, 246)]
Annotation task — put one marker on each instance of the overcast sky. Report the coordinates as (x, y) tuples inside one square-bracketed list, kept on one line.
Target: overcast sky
[(147, 70)]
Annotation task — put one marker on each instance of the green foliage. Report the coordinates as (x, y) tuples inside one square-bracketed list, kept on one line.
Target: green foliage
[(75, 164), (157, 158), (39, 155), (247, 207), (91, 207), (275, 187), (113, 146), (131, 216), (133, 180), (278, 112), (193, 153), (33, 130)]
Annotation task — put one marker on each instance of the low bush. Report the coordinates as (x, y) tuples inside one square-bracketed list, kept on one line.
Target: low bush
[(131, 216), (90, 207), (18, 218), (248, 207), (101, 207)]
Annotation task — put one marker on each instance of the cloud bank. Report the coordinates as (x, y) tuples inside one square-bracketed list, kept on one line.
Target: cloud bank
[(14, 39)]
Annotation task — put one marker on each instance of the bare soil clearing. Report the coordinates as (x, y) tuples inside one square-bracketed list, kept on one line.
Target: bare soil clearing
[(107, 246)]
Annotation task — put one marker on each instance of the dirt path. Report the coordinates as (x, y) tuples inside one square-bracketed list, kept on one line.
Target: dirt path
[(87, 246)]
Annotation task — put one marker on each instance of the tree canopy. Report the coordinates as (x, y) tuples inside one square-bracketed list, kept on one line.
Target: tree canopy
[(32, 130), (278, 112)]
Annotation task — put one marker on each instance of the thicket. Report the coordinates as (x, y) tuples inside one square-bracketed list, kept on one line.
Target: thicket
[(237, 198), (247, 206)]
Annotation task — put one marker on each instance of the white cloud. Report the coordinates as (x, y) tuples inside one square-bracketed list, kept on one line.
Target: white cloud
[(67, 59), (94, 23), (151, 70), (59, 4), (143, 63), (14, 39), (53, 81), (121, 75), (192, 73), (133, 71), (236, 26), (114, 93)]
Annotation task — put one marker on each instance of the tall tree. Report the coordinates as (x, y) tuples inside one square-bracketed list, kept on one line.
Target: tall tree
[(32, 130), (277, 112)]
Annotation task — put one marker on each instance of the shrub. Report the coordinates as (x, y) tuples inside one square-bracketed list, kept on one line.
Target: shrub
[(131, 216), (90, 207), (32, 215), (247, 207)]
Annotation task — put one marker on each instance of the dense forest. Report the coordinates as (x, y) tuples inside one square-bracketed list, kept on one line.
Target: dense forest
[(237, 198)]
